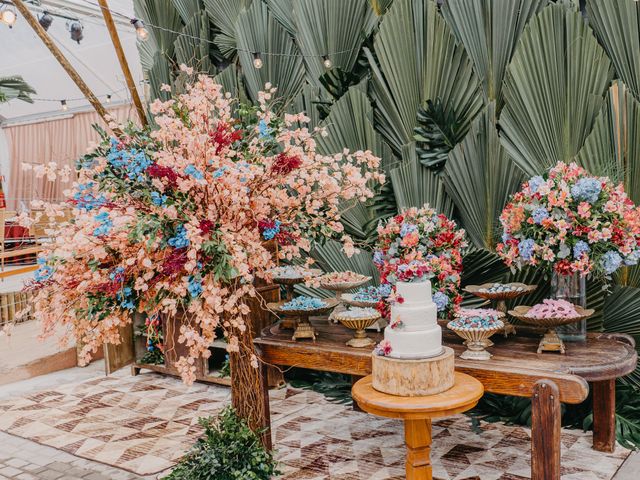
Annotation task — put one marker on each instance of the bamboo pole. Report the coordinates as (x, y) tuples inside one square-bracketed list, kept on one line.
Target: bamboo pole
[(84, 88), (117, 45)]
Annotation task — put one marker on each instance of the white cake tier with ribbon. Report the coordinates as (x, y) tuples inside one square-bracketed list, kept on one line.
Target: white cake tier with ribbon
[(413, 331)]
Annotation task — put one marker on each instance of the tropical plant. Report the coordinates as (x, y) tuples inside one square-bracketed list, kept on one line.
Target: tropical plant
[(15, 87), (227, 450), (515, 86)]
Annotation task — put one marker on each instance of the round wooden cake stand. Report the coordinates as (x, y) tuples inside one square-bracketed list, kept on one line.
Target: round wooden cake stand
[(417, 413)]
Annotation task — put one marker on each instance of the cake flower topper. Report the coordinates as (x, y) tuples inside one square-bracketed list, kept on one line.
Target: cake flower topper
[(383, 348), (571, 222), (421, 244)]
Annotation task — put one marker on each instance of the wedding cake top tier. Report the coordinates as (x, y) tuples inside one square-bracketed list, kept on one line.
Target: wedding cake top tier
[(414, 292)]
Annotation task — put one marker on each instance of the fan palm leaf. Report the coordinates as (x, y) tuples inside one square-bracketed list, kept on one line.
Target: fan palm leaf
[(258, 31), (554, 89), (15, 87), (612, 149), (228, 78), (187, 9), (333, 29), (307, 101), (224, 14), (163, 14), (330, 257), (617, 26), (414, 185), (282, 10), (489, 31), (622, 314), (479, 177), (416, 59), (160, 74), (192, 48), (380, 7)]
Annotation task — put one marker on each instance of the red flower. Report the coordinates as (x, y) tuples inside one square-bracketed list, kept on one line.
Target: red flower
[(206, 226), (174, 262), (223, 136), (563, 267), (158, 171), (284, 164)]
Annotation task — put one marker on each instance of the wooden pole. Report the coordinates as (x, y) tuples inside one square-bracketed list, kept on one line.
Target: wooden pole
[(84, 88), (115, 38)]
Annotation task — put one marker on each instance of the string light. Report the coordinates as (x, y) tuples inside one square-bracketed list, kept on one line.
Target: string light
[(141, 31), (257, 61), (326, 61), (9, 17), (45, 20), (108, 98), (65, 107)]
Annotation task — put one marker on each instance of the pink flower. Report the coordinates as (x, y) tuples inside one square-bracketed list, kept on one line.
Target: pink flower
[(584, 210)]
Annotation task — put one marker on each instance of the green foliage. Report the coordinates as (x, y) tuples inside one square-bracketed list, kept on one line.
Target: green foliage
[(15, 87), (228, 450), (335, 386)]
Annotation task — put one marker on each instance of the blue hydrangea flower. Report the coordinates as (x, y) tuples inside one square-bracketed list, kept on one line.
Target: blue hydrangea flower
[(105, 224), (407, 228), (441, 300), (632, 258), (526, 248), (378, 257), (158, 199), (85, 198), (193, 172), (506, 237), (580, 248), (219, 172), (611, 261), (117, 274), (263, 129), (270, 233), (134, 161), (587, 189), (539, 214), (535, 183), (44, 271), (180, 239), (194, 287), (384, 290), (126, 300)]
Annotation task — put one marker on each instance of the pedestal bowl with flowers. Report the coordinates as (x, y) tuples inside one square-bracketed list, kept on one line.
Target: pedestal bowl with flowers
[(475, 326)]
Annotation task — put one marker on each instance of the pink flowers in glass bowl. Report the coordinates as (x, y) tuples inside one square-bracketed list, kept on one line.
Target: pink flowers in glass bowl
[(571, 222)]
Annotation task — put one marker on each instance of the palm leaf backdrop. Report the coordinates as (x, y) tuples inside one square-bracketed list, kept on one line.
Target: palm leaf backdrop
[(553, 90), (484, 92), (15, 87)]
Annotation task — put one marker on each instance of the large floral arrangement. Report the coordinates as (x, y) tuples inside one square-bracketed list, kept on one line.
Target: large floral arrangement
[(175, 220), (571, 221), (421, 243)]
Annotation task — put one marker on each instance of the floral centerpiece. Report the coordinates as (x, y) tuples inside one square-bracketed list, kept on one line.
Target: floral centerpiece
[(421, 243), (571, 222), (176, 219)]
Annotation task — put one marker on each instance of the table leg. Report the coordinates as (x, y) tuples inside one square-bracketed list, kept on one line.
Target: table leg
[(604, 415), (545, 431), (417, 436)]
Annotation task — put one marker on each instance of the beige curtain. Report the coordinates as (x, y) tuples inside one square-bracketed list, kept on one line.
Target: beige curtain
[(60, 141)]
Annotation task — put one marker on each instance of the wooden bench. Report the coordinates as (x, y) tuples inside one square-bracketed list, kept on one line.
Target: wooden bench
[(515, 369)]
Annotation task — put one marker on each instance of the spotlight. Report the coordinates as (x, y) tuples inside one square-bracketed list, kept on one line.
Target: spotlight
[(141, 31), (75, 29), (9, 17), (257, 61), (108, 98), (45, 20), (64, 105), (326, 61)]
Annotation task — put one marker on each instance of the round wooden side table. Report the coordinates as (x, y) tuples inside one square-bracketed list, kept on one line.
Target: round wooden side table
[(417, 413)]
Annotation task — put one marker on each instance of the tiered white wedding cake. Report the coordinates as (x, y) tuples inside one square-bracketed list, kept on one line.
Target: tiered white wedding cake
[(411, 360), (413, 331)]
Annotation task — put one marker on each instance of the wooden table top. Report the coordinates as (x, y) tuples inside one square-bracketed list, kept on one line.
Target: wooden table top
[(513, 369), (463, 396)]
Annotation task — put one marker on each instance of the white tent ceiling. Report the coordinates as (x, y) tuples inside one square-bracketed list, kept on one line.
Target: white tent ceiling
[(23, 53)]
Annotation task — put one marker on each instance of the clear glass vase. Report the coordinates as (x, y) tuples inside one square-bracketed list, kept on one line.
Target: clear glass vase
[(572, 288)]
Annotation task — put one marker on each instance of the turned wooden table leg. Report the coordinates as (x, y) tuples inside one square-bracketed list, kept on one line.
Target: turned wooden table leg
[(604, 415), (545, 431), (417, 436)]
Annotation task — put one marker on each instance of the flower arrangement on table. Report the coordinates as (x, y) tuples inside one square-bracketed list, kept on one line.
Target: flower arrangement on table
[(421, 244), (572, 222), (175, 219)]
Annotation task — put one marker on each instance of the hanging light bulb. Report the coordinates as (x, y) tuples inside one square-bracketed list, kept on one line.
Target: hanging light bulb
[(9, 17), (45, 20), (326, 61), (141, 31), (75, 29), (65, 107), (257, 61), (108, 98)]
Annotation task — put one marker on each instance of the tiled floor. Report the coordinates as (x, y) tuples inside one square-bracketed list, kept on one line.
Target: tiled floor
[(144, 423)]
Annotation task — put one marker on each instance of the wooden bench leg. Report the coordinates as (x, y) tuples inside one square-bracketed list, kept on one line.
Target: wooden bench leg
[(545, 431), (604, 415), (417, 436)]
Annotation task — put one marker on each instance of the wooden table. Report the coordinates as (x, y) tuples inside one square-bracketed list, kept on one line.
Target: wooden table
[(417, 413), (515, 369)]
